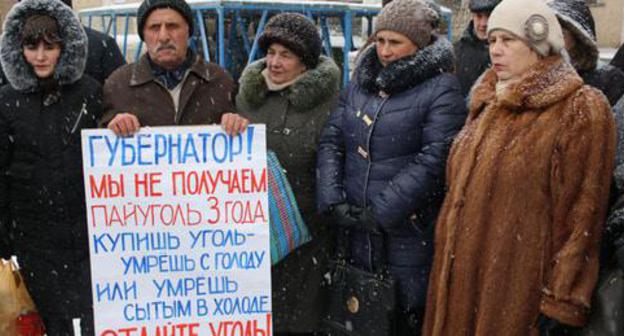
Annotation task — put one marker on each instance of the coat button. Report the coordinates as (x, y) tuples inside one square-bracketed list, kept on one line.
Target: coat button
[(353, 304), (363, 153)]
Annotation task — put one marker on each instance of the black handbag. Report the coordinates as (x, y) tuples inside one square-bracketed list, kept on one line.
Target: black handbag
[(361, 303), (607, 314)]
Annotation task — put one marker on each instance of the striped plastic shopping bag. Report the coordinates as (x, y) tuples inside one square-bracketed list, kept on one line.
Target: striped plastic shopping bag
[(288, 230)]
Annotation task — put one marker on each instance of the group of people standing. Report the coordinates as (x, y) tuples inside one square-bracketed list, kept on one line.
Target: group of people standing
[(479, 174)]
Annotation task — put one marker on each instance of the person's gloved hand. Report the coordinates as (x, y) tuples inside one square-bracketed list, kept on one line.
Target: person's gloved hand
[(548, 326), (367, 220), (342, 216)]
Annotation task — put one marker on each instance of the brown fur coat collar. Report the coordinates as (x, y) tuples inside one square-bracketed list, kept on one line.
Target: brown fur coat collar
[(547, 83)]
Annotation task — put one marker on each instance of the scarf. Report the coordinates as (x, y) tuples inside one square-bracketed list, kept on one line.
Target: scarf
[(277, 87), (171, 78)]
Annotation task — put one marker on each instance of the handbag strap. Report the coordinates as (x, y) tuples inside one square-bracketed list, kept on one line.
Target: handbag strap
[(343, 251), (384, 268)]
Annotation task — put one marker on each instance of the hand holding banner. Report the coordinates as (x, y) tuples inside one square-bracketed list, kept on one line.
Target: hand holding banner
[(178, 232)]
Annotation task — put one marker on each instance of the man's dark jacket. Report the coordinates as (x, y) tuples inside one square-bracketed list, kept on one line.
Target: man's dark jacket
[(104, 55), (472, 58)]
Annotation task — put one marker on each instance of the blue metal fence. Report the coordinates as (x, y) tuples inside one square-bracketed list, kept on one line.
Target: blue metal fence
[(228, 30)]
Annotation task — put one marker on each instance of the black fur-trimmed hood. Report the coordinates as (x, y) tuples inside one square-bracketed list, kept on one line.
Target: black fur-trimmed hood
[(576, 17), (311, 89), (406, 72), (73, 57)]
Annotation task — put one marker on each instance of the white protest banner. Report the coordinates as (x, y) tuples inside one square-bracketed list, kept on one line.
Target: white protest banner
[(178, 232)]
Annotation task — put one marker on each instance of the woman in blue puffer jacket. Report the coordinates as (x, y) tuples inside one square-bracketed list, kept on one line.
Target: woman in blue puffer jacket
[(382, 153)]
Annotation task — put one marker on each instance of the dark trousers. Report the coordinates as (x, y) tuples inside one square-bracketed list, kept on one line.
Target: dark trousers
[(60, 285)]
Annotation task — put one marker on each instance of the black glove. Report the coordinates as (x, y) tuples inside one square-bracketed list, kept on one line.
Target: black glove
[(368, 222), (342, 216), (548, 326)]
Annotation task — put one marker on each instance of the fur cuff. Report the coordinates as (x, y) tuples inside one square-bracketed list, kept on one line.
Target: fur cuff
[(564, 312)]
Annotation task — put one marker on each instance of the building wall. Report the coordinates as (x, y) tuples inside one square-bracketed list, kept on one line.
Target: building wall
[(5, 5), (609, 18), (80, 4), (133, 40)]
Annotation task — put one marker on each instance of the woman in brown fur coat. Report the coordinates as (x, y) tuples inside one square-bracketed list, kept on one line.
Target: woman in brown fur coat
[(517, 240)]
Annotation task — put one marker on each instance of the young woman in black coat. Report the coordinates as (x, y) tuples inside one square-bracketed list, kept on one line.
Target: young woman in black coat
[(42, 111)]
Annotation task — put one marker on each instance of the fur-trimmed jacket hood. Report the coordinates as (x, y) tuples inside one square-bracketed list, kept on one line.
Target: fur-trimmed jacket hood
[(404, 73), (310, 90), (73, 57)]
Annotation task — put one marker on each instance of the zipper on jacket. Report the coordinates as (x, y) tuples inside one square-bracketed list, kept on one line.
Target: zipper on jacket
[(83, 110), (368, 168)]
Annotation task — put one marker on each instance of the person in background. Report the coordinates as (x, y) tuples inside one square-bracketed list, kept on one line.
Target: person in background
[(613, 244), (292, 90), (382, 153), (471, 50), (579, 33), (170, 84), (618, 60), (518, 237), (103, 56), (42, 202)]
